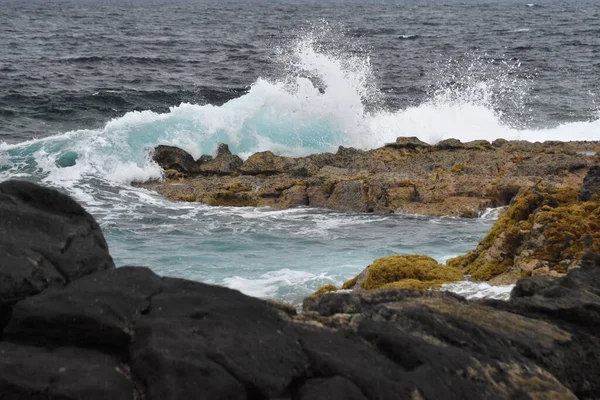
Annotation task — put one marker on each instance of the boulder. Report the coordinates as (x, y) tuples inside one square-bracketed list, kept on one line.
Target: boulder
[(499, 142), (46, 239), (479, 145), (450, 144), (267, 163), (404, 272), (409, 143), (174, 158), (224, 163)]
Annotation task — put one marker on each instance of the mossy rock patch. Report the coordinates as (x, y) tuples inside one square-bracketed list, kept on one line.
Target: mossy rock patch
[(544, 231)]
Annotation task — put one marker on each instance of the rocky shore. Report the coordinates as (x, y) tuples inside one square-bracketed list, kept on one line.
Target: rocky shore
[(545, 231), (72, 326), (407, 176)]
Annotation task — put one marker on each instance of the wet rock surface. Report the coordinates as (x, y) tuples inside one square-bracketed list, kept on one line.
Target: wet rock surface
[(127, 333), (407, 176), (175, 159)]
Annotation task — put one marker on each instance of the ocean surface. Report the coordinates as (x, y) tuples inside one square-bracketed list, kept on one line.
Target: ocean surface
[(89, 87)]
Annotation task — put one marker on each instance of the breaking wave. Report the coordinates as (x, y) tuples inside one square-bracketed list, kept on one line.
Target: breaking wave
[(325, 99)]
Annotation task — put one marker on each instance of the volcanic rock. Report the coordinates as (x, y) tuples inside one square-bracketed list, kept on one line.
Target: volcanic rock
[(410, 143), (174, 158), (224, 163), (409, 176), (46, 239)]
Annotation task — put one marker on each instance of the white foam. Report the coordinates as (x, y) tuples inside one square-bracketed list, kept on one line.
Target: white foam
[(294, 284), (491, 213), (479, 290)]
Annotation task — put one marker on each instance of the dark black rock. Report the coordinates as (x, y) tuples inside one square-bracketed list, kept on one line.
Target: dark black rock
[(97, 311), (334, 388), (46, 239), (66, 373), (245, 336), (591, 184), (171, 157)]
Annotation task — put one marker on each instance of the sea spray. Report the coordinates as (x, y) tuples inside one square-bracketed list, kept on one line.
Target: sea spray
[(327, 97)]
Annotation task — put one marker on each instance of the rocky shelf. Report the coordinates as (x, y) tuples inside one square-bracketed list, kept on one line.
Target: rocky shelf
[(407, 176), (72, 326)]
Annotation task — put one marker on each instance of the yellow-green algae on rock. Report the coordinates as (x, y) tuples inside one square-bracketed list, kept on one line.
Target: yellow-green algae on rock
[(324, 289), (545, 231), (405, 272), (399, 272), (408, 272)]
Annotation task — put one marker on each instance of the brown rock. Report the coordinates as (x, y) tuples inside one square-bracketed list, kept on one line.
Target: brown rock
[(543, 232), (462, 180), (224, 163), (266, 163), (450, 144), (410, 143)]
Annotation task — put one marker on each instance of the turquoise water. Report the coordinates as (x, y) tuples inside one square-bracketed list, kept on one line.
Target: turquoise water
[(283, 254)]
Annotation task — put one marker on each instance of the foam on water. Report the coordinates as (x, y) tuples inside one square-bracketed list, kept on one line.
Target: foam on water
[(284, 284)]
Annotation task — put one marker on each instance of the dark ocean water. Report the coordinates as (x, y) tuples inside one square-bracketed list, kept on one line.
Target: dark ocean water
[(88, 88), (69, 65)]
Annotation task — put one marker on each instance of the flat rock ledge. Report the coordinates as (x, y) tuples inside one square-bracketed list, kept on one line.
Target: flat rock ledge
[(75, 327), (408, 176)]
